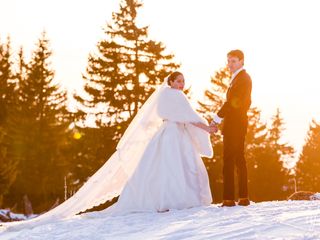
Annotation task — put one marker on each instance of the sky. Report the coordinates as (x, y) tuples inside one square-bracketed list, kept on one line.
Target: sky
[(280, 39)]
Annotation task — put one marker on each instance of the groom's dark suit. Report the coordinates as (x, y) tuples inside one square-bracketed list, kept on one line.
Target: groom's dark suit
[(234, 111)]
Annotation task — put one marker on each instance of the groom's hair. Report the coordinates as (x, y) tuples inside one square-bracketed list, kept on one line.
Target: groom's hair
[(236, 53), (173, 77)]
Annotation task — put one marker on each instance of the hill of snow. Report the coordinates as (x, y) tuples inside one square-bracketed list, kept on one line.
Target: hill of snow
[(263, 221)]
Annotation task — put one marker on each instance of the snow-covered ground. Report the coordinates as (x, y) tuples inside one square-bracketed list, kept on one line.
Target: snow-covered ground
[(263, 221)]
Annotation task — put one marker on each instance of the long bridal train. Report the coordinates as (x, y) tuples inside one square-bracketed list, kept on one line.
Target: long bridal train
[(157, 165)]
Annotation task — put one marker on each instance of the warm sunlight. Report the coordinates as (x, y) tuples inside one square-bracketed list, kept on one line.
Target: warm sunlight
[(278, 38), (120, 115)]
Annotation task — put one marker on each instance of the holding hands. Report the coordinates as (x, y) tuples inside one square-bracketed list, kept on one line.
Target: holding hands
[(213, 128), (214, 124)]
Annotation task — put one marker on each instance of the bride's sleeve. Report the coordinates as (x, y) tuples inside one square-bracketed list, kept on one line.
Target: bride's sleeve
[(174, 106)]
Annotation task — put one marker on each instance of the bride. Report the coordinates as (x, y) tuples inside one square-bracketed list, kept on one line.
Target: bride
[(157, 165), (170, 173)]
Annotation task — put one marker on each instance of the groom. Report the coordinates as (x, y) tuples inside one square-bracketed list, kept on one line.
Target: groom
[(234, 112)]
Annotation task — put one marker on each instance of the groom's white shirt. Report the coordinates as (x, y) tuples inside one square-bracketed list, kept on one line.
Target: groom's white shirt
[(235, 74)]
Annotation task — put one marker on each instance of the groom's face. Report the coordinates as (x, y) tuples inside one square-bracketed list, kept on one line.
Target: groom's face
[(234, 63)]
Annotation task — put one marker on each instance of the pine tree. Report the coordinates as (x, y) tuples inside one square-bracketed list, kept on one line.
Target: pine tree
[(127, 65), (7, 81), (88, 150), (120, 76), (283, 151), (308, 166), (268, 177), (275, 134), (40, 134), (259, 158), (8, 167)]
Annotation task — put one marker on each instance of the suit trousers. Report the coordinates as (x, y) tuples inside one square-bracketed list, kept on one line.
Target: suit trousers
[(233, 158)]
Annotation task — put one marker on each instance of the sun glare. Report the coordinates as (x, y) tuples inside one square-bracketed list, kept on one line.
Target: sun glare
[(280, 44)]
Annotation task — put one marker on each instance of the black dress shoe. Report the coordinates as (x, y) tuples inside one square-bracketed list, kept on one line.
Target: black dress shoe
[(244, 202), (228, 203)]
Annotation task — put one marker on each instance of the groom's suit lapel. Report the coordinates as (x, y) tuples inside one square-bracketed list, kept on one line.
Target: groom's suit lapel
[(236, 79), (234, 82)]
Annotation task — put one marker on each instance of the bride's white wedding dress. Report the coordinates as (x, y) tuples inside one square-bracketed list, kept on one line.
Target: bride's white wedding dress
[(157, 165), (171, 173)]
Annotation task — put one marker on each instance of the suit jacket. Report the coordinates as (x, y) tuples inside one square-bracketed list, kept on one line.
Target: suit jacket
[(234, 110)]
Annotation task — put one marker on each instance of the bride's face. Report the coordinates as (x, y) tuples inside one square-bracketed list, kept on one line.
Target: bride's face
[(178, 83)]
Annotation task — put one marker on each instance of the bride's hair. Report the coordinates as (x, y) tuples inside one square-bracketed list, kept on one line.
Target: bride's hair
[(173, 77)]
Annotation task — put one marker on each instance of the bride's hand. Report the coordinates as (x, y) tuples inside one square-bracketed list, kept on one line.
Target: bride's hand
[(209, 128), (213, 129)]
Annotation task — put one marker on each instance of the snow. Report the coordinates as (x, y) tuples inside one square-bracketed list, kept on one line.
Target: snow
[(315, 196), (8, 215), (268, 220)]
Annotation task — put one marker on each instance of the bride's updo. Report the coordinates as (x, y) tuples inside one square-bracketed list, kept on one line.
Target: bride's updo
[(173, 77)]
